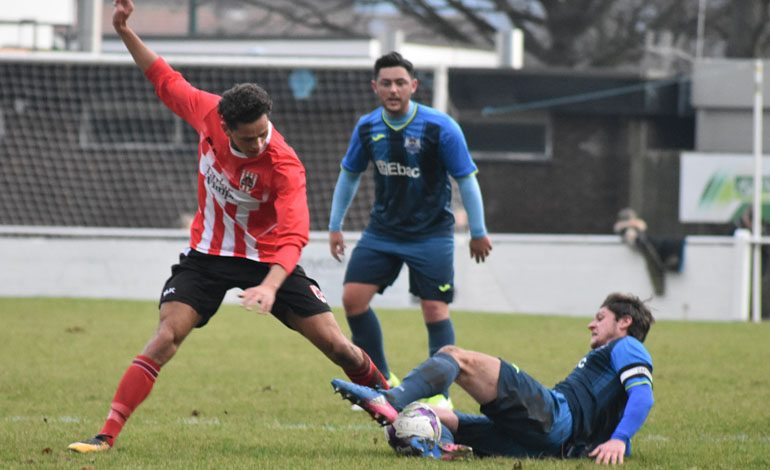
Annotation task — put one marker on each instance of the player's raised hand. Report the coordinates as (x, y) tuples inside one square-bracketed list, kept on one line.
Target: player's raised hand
[(610, 452), (337, 245), (480, 248), (123, 9)]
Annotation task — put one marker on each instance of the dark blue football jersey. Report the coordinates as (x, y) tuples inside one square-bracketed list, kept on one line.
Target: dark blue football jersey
[(596, 389), (412, 165)]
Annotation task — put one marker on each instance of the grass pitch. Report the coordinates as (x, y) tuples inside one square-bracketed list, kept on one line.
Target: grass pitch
[(245, 392)]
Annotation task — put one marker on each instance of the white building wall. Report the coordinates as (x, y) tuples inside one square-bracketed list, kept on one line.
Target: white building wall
[(538, 274), (29, 24)]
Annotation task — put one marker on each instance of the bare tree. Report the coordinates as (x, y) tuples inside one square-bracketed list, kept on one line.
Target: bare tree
[(565, 33), (575, 33), (600, 32), (742, 28), (316, 15), (297, 18)]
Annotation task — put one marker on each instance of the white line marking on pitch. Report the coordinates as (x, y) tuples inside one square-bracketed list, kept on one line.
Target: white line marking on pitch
[(61, 419), (319, 427)]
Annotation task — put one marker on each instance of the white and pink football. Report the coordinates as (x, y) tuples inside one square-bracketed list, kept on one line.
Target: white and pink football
[(415, 420)]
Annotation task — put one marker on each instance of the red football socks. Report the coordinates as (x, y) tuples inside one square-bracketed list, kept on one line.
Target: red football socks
[(368, 374), (133, 388)]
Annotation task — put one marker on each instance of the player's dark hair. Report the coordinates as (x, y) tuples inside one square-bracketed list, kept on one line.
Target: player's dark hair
[(243, 104), (627, 304), (393, 59)]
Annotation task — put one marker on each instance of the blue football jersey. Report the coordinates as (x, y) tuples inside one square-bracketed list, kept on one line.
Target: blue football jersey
[(596, 389), (412, 164)]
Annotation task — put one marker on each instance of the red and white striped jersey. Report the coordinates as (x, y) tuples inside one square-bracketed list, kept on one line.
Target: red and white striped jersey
[(252, 208)]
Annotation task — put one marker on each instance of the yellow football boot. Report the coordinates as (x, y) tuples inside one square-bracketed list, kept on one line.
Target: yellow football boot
[(97, 443)]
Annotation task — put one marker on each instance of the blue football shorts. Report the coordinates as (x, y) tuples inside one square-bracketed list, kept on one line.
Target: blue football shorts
[(377, 260), (201, 281), (526, 419)]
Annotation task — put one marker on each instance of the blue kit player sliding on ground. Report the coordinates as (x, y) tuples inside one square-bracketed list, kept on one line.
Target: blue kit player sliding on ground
[(414, 150), (594, 412)]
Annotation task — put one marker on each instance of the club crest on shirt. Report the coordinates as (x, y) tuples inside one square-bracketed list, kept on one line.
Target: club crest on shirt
[(412, 144), (248, 180), (317, 292)]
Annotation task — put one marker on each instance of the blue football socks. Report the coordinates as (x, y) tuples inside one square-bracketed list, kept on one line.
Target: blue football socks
[(367, 335), (426, 380)]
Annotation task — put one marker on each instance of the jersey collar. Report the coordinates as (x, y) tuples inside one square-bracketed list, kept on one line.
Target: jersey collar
[(399, 123)]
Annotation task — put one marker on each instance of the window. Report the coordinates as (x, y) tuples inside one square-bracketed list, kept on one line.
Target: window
[(507, 138), (129, 125)]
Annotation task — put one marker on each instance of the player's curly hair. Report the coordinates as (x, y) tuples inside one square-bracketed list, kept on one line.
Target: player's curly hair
[(392, 59), (244, 103), (628, 304)]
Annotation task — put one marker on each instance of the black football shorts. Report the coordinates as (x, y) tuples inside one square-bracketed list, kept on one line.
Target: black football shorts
[(201, 281)]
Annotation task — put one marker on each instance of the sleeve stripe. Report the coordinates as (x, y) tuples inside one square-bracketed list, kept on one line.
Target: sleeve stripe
[(642, 382), (640, 371)]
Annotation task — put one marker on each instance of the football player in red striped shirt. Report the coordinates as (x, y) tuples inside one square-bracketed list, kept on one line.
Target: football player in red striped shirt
[(251, 225)]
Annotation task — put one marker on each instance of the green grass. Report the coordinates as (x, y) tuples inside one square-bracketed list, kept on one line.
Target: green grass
[(245, 392)]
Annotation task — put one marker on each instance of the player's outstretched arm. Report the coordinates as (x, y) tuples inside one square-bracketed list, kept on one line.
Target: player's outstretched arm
[(638, 405), (143, 55)]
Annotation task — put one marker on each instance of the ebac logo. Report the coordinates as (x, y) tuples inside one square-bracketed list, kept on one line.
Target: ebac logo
[(396, 169)]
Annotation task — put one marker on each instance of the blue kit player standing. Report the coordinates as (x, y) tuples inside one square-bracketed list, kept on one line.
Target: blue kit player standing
[(414, 150), (593, 412)]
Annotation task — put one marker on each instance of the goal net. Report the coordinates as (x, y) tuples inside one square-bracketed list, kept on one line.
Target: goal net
[(85, 141)]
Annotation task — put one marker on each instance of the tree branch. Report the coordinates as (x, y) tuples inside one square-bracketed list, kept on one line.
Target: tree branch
[(427, 16), (309, 15), (486, 30)]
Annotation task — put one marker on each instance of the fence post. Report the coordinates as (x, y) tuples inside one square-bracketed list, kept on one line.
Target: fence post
[(742, 290)]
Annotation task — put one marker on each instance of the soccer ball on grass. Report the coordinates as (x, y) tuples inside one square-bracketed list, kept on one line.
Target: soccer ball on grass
[(416, 420)]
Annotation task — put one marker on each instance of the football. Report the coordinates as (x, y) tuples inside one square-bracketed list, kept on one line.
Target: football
[(416, 420)]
